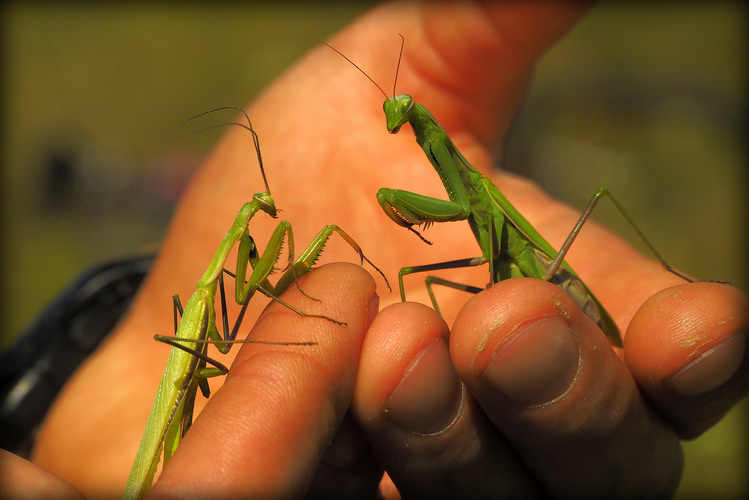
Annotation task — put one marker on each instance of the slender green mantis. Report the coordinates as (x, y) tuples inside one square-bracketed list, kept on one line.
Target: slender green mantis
[(509, 244), (186, 368)]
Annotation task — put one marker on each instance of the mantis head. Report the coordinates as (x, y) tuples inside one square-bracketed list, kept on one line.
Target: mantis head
[(266, 203), (397, 111)]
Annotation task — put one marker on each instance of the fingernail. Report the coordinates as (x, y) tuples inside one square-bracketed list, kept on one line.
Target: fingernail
[(537, 364), (710, 369), (428, 397)]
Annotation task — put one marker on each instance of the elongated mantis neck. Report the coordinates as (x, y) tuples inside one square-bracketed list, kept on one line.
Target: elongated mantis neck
[(246, 213), (423, 123)]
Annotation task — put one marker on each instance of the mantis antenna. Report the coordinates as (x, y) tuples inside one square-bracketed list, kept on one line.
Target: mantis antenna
[(255, 138), (398, 67), (364, 72)]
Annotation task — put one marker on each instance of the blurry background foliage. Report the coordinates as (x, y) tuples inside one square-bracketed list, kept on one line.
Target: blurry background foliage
[(647, 100)]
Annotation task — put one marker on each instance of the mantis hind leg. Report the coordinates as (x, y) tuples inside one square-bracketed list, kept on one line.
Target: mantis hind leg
[(601, 192), (203, 372)]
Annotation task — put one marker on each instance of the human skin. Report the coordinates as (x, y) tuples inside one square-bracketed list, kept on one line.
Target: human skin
[(560, 412)]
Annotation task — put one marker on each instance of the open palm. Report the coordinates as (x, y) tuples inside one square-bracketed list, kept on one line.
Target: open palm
[(522, 395)]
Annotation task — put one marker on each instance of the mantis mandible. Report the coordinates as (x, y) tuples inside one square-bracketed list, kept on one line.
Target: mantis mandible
[(509, 244), (186, 369)]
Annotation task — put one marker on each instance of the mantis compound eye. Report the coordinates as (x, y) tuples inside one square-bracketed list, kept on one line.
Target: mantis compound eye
[(406, 106)]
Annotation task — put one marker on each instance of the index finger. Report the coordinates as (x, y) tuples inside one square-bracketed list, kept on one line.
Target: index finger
[(262, 434)]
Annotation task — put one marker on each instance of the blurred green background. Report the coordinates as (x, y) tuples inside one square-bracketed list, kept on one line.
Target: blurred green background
[(647, 100)]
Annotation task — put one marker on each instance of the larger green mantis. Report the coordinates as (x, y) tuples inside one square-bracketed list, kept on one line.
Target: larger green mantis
[(186, 369), (509, 244)]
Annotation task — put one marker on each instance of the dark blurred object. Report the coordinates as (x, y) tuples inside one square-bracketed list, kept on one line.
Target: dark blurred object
[(57, 181), (36, 367)]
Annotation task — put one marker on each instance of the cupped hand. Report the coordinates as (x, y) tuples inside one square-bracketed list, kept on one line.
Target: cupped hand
[(524, 395)]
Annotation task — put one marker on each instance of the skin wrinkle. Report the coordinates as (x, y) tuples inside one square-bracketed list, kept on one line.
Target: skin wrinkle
[(530, 48), (304, 358), (438, 66), (446, 78)]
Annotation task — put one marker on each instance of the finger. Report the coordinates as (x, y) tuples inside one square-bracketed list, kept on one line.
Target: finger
[(23, 479), (263, 434), (479, 57), (426, 430), (686, 347), (550, 382)]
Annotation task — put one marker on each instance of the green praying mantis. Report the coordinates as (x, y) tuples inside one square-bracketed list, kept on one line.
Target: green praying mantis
[(509, 244), (186, 367)]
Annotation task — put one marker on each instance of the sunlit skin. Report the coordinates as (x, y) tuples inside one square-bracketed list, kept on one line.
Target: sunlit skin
[(439, 414)]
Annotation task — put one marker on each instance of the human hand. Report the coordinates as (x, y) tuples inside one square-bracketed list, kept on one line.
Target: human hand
[(326, 152)]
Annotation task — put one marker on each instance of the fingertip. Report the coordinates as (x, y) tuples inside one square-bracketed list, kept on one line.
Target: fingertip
[(686, 347), (525, 328), (548, 379), (341, 292), (429, 435), (678, 324), (395, 338), (340, 282)]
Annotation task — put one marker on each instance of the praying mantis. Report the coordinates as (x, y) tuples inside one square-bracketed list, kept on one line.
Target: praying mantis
[(509, 244), (186, 369)]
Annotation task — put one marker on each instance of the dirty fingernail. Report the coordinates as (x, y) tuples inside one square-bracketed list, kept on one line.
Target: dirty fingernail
[(428, 397), (537, 364), (710, 369)]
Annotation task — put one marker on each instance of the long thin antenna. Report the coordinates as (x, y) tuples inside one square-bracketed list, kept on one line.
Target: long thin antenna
[(397, 68), (255, 138), (353, 64)]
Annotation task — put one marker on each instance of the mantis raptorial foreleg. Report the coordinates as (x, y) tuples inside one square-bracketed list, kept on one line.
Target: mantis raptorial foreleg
[(557, 262)]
